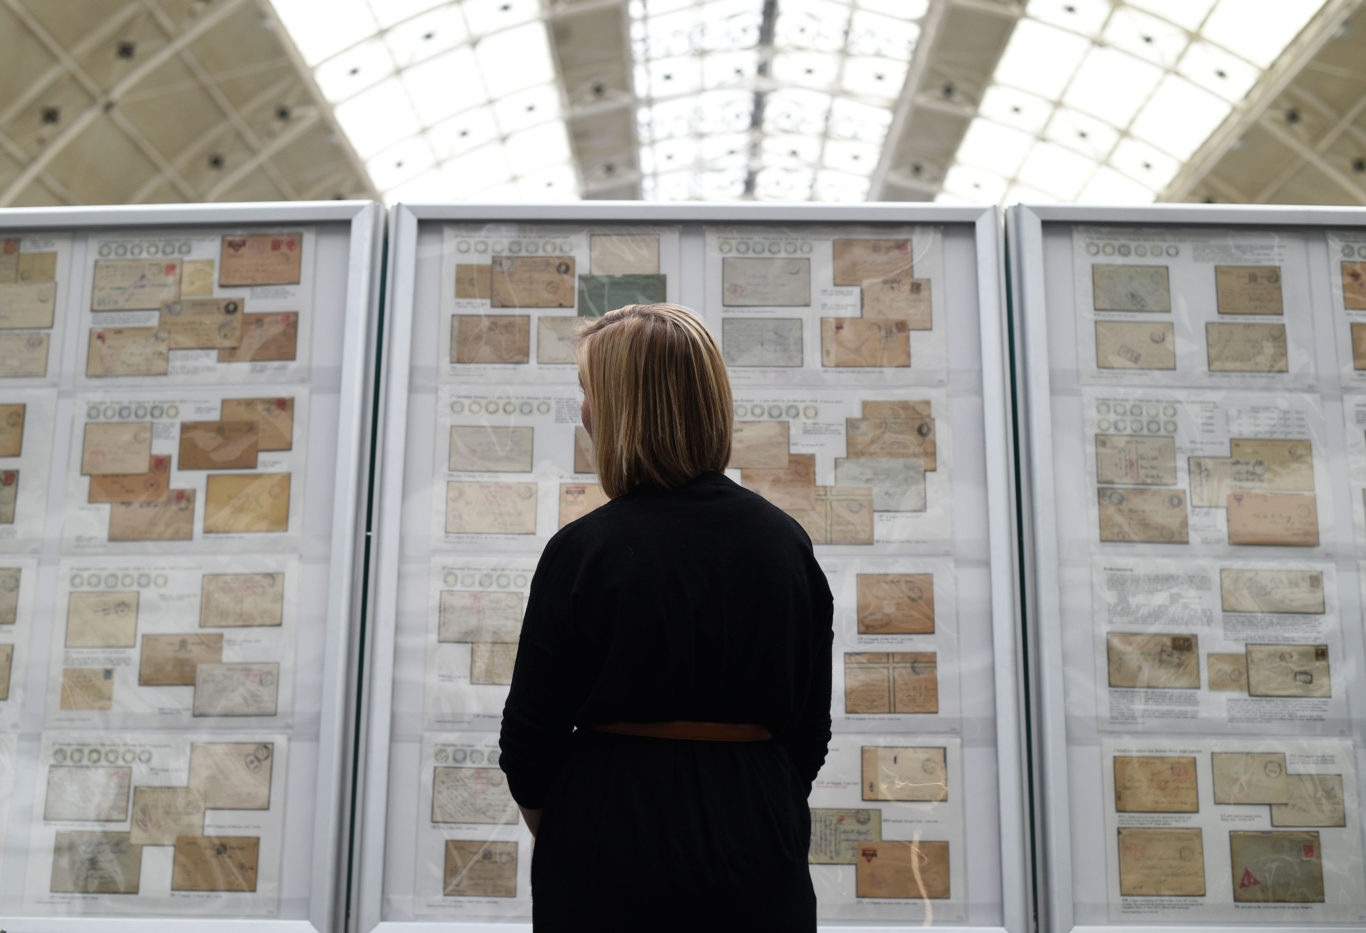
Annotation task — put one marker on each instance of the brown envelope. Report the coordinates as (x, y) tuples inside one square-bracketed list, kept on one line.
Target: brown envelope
[(1213, 478), (843, 515), (1135, 345), (555, 339), (37, 267), (1354, 286), (1280, 519), (95, 863), (242, 600), (856, 342), (12, 430), (160, 814), (902, 682), (274, 418), (116, 447), (472, 281), (490, 338), (202, 323), (1315, 800), (492, 662), (856, 261), (1131, 288), (888, 869), (475, 868), (215, 863), (895, 603), (246, 503), (128, 351), (1248, 289), (218, 445), (102, 620), (1226, 672), (792, 488), (134, 284), (1247, 348), (1275, 591), (6, 665), (1276, 867), (898, 409), (892, 439), (491, 449), (898, 298), (471, 795), (171, 660), (1288, 671), (1161, 862), (623, 254), (87, 688), (1142, 516), (1155, 784), (232, 775), (1359, 345), (170, 518), (897, 773), (1159, 662), (578, 499), (87, 794), (133, 487), (1135, 461), (27, 305), (9, 260), (1249, 777), (261, 259), (23, 355), (265, 338), (491, 508), (531, 282), (583, 451), (1289, 463), (196, 278), (9, 495), (9, 594), (759, 444)]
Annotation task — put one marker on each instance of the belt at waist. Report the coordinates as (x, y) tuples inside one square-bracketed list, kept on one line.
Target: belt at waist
[(692, 731)]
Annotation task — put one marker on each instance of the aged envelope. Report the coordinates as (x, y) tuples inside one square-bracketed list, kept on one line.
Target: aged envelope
[(9, 260), (1161, 862), (1276, 867), (1287, 519), (918, 869), (843, 515), (857, 341), (6, 665), (1135, 345), (899, 773), (898, 485), (1315, 800), (1248, 289), (95, 863), (27, 304), (1136, 461), (1146, 516), (1155, 784), (599, 294), (492, 662), (490, 338), (759, 445), (1213, 478), (260, 259), (1289, 463), (37, 267), (897, 409), (762, 341), (12, 430), (1262, 590), (491, 449), (171, 660), (215, 863), (1247, 348), (857, 261), (583, 451), (891, 438), (1130, 288), (1354, 286), (9, 495), (1153, 661), (915, 682), (102, 620), (202, 323), (791, 488), (1249, 777), (578, 499), (474, 868), (555, 339), (756, 283), (835, 834), (490, 508), (9, 594), (94, 794), (471, 795), (902, 682), (246, 503), (1288, 671), (531, 282), (232, 775), (170, 518), (23, 355), (472, 282), (236, 689), (116, 447), (898, 298), (1226, 672), (895, 603), (479, 616), (87, 688), (623, 253), (265, 338), (218, 445), (196, 278), (274, 418), (162, 813), (134, 284), (128, 351), (133, 487), (1359, 344), (241, 600)]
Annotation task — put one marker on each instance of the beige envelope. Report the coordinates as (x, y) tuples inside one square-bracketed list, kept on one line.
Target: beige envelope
[(471, 795), (243, 689), (472, 282), (836, 834), (1354, 286), (116, 447), (898, 484), (196, 278), (232, 775), (623, 254), (202, 323), (246, 503), (1288, 671), (479, 616), (1226, 672), (170, 518), (475, 868), (760, 445), (492, 662), (102, 620), (531, 282), (1247, 348), (490, 508), (1158, 662), (218, 445), (1315, 800), (1213, 478), (160, 814), (1155, 784), (1131, 288), (87, 793), (899, 773), (9, 594), (265, 338), (9, 495), (901, 682), (895, 603), (1289, 463), (491, 449), (1249, 777), (133, 487), (171, 660), (555, 339), (37, 267), (898, 298), (897, 409), (843, 515), (87, 688), (1135, 345), (23, 355), (768, 282), (95, 863), (9, 260), (892, 439), (128, 351), (261, 259), (578, 499), (762, 341), (12, 430), (134, 284), (1281, 519), (1142, 516), (1248, 289), (1161, 862), (241, 600), (1135, 461), (792, 487), (1358, 346), (490, 338), (274, 418), (1276, 867), (27, 305), (583, 451), (856, 342), (6, 665), (1275, 591), (917, 869), (215, 863), (858, 260)]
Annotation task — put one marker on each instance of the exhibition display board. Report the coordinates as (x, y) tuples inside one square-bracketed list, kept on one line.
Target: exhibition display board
[(1194, 388), (184, 417), (866, 352)]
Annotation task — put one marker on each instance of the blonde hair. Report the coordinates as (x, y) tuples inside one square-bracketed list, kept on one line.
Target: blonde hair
[(658, 396)]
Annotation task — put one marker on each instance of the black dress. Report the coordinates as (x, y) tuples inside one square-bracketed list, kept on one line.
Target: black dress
[(699, 603)]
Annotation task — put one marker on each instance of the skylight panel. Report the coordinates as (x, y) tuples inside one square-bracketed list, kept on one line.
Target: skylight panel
[(1058, 171), (320, 37), (426, 36), (444, 85), (783, 184), (537, 148), (1110, 187), (790, 152), (467, 130), (974, 184), (728, 69), (397, 164), (721, 186), (815, 25), (1040, 58), (429, 186), (391, 12), (1258, 30), (489, 16), (875, 78), (992, 146), (1112, 85), (1219, 71), (515, 59), (724, 112), (354, 70), (1144, 163), (378, 118), (551, 184), (725, 25), (1186, 13), (885, 36), (667, 35), (1148, 37), (909, 9), (726, 151), (797, 111), (477, 170), (527, 108), (1015, 108), (815, 70), (1084, 134), (853, 157), (850, 119), (839, 186), (1179, 117), (670, 77), (1082, 16)]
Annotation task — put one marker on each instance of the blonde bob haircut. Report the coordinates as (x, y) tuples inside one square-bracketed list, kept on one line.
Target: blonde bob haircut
[(658, 397)]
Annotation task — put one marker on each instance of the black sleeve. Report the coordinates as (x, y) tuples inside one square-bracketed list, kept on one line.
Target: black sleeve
[(810, 738)]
